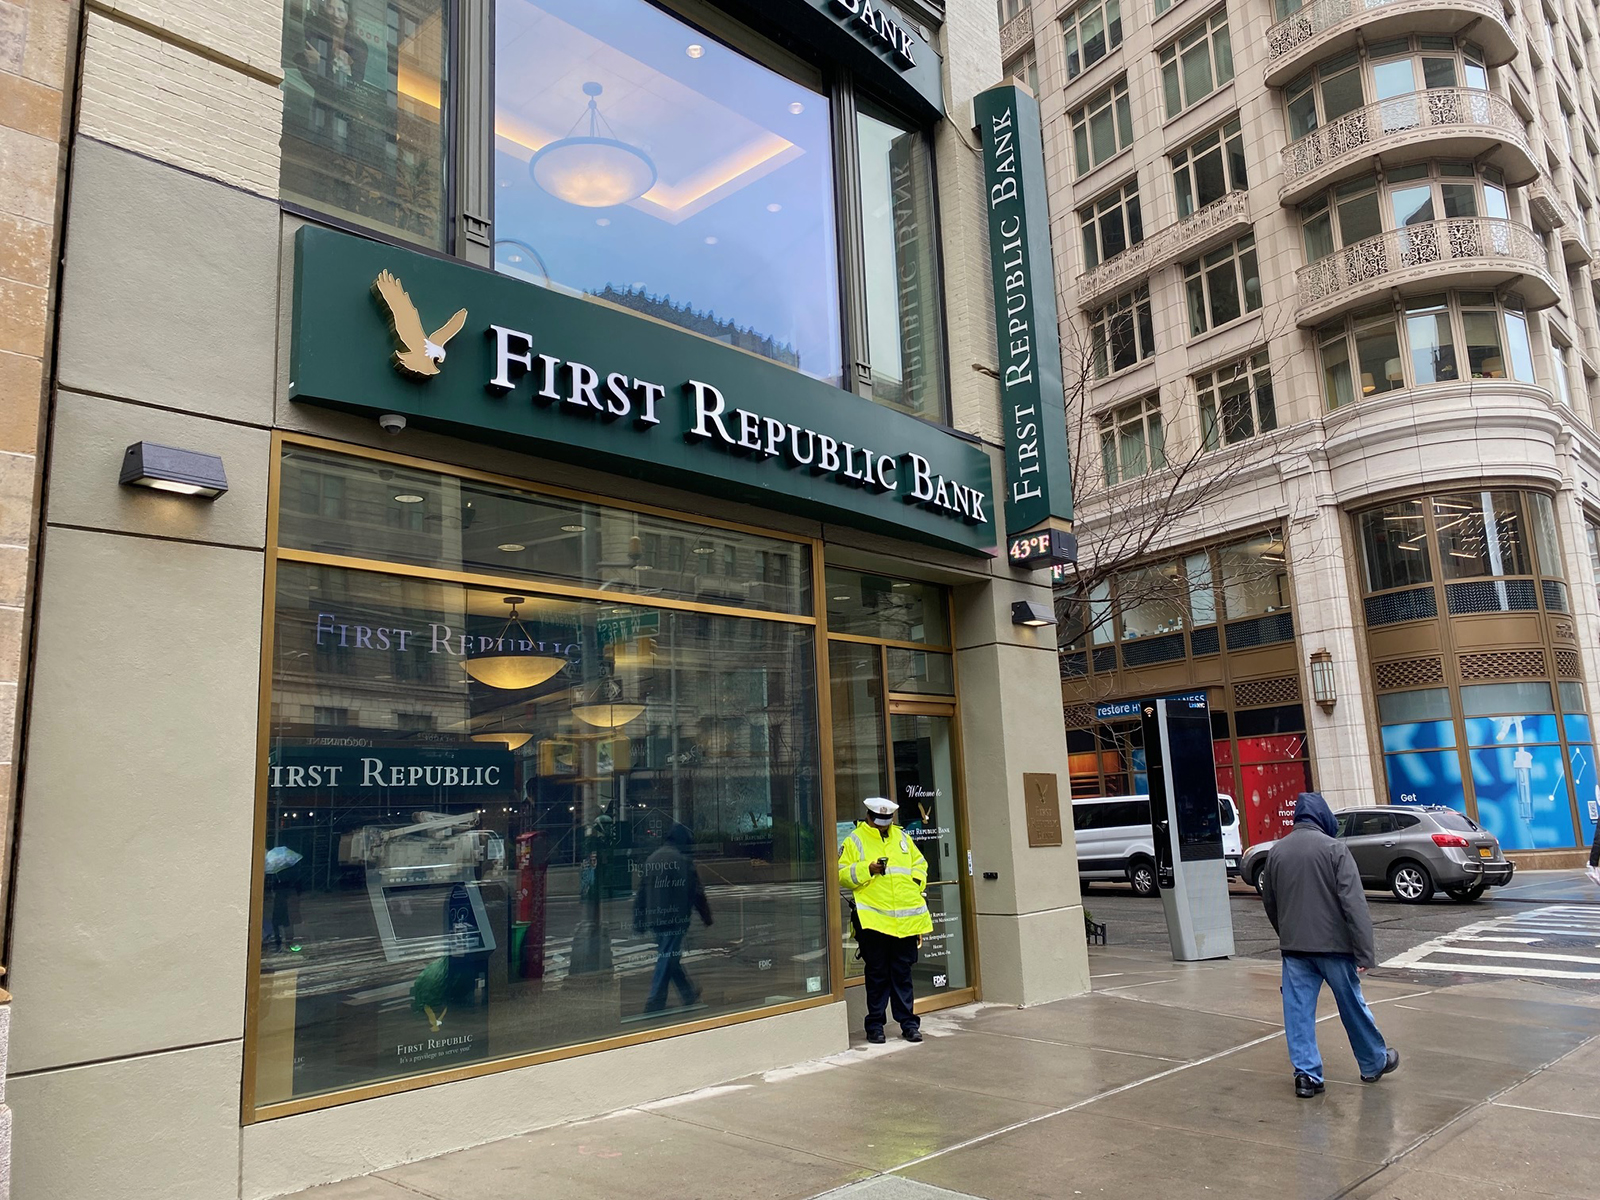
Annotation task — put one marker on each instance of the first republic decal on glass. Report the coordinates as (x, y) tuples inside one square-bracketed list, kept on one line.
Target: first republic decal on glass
[(1038, 472), (578, 389)]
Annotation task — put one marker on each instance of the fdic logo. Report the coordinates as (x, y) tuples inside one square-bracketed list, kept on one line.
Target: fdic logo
[(417, 354)]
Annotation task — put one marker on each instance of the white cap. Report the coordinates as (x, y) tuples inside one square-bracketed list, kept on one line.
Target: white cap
[(883, 807)]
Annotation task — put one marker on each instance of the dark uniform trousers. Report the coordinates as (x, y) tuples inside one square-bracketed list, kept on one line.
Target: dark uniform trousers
[(888, 961)]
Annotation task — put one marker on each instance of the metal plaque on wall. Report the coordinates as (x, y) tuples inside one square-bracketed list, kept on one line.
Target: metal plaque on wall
[(1042, 799)]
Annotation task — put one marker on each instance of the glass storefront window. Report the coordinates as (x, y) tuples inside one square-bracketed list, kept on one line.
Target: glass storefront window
[(1481, 533), (515, 837), (896, 610), (900, 247), (1255, 578), (1394, 539), (363, 508), (1150, 601), (364, 85), (659, 168), (1544, 535)]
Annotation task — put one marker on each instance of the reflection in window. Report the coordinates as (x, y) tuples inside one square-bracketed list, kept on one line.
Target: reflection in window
[(900, 247), (1236, 402), (519, 853), (1092, 31), (1223, 285), (1394, 539), (1131, 440), (897, 610), (1543, 515), (1198, 63), (1122, 332), (491, 529), (1101, 127), (666, 172), (1150, 601), (1111, 224), (363, 122), (1255, 577), (1481, 533), (1209, 168)]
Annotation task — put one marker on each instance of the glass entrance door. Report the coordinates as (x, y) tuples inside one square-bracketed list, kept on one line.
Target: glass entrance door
[(892, 709), (923, 749)]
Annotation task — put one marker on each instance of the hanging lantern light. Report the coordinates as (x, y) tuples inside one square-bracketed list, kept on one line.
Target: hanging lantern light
[(513, 672), (590, 170)]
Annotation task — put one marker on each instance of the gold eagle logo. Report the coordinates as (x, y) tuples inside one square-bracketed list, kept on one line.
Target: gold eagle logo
[(418, 354)]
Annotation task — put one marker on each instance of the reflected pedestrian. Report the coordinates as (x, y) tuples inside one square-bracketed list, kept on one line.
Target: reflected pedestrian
[(669, 889), (1593, 869), (888, 879), (1312, 892)]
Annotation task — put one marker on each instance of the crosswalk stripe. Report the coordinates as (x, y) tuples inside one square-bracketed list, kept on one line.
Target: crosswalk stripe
[(1523, 954)]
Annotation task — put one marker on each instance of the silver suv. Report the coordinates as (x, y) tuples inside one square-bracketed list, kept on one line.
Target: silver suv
[(1413, 851)]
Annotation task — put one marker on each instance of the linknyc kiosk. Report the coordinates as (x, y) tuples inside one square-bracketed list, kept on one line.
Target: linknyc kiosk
[(1188, 827)]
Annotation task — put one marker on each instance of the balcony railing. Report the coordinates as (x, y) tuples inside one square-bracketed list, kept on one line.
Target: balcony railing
[(1215, 221), (1442, 109), (1015, 32), (1320, 16), (1366, 266)]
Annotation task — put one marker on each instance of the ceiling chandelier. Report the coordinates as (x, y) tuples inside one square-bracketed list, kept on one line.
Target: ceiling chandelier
[(513, 672), (508, 739), (590, 170), (606, 710)]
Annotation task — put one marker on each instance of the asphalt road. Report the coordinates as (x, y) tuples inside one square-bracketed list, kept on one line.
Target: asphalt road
[(1545, 926)]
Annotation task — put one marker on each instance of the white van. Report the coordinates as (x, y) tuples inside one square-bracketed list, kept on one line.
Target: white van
[(1115, 841)]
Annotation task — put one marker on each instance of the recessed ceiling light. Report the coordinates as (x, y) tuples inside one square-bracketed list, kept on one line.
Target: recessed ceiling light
[(902, 584), (602, 221), (774, 208), (695, 51), (573, 528), (512, 547), (643, 567), (505, 183), (705, 549), (516, 258), (841, 597), (711, 241), (797, 108), (408, 498)]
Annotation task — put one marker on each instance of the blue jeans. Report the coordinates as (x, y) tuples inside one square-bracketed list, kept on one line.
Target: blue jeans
[(1303, 977), (669, 970)]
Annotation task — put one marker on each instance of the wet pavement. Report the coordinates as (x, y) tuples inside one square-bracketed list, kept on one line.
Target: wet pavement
[(1169, 1081)]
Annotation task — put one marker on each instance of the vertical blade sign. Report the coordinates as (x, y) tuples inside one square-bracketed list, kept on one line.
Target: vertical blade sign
[(1038, 472)]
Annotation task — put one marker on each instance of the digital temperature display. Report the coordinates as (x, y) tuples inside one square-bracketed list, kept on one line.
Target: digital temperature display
[(1044, 548)]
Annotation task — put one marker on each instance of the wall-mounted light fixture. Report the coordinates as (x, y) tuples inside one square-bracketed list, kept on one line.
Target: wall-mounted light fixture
[(1027, 612), (168, 469), (1323, 690)]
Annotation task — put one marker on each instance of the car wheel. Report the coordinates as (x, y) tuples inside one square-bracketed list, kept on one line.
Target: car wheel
[(1256, 878), (1142, 877), (1411, 883), (1466, 895)]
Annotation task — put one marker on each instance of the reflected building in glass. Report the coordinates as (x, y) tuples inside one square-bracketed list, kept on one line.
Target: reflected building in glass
[(1333, 362)]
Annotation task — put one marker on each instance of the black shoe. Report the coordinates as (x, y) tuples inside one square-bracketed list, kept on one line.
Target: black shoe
[(875, 1036), (1306, 1087), (911, 1035), (1390, 1062)]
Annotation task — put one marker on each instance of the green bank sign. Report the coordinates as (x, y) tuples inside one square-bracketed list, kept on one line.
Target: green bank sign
[(463, 351), (1038, 488)]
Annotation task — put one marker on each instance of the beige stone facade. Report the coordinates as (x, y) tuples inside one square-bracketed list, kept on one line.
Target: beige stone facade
[(1322, 101)]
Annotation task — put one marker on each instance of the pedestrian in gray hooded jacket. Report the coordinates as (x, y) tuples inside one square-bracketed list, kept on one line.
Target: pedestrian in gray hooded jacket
[(1313, 896)]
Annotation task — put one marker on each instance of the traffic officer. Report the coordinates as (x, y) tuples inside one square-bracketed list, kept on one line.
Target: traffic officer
[(887, 877)]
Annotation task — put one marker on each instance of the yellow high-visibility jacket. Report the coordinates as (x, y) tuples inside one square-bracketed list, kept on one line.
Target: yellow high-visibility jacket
[(894, 902)]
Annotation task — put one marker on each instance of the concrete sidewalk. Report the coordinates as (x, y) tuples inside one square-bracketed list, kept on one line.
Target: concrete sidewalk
[(1169, 1081)]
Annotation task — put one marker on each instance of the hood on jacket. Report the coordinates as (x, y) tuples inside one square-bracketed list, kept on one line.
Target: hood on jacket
[(680, 837), (1311, 808)]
